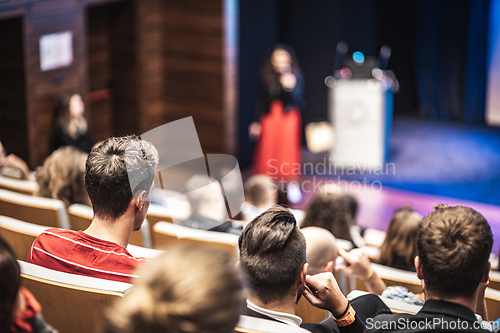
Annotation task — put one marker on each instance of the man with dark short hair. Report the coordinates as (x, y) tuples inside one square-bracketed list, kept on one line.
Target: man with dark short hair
[(453, 248), (273, 262), (119, 176)]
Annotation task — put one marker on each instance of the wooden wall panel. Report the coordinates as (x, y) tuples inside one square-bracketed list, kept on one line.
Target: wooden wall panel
[(162, 60), (13, 127), (194, 58)]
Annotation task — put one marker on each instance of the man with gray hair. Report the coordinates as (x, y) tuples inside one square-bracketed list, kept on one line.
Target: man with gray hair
[(119, 176)]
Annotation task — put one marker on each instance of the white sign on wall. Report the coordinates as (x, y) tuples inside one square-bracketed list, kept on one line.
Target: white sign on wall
[(56, 50)]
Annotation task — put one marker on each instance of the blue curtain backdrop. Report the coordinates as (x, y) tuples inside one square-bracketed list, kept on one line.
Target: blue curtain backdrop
[(451, 64)]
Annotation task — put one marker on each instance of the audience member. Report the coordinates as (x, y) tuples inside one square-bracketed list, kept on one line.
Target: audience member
[(119, 177), (273, 261), (260, 194), (399, 248), (322, 250), (19, 310), (330, 210), (71, 127), (62, 176), (453, 248), (186, 290), (14, 162), (208, 208)]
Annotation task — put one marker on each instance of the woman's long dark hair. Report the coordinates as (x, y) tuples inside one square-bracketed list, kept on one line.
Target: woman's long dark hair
[(268, 75), (10, 282)]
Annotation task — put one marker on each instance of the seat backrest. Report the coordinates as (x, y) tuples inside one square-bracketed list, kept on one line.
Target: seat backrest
[(28, 187), (494, 280), (165, 233), (309, 313), (394, 277), (71, 303), (42, 211), (20, 235), (374, 237), (492, 297), (80, 217), (157, 213)]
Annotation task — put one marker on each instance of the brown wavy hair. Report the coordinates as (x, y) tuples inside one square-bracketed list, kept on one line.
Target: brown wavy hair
[(330, 211), (401, 236), (62, 177), (188, 289)]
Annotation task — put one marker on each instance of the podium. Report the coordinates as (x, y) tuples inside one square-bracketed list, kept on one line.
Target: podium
[(361, 114)]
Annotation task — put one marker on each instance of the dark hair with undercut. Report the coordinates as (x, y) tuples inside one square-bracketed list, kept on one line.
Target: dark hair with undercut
[(454, 245), (116, 170), (10, 282), (272, 254)]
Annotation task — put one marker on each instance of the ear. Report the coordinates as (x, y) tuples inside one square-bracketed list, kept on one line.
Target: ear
[(140, 197), (486, 274), (418, 267), (330, 267), (302, 275)]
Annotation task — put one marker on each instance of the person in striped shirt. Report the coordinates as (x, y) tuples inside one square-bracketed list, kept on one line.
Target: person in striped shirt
[(119, 177)]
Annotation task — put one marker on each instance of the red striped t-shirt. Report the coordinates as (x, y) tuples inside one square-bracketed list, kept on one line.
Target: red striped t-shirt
[(78, 253)]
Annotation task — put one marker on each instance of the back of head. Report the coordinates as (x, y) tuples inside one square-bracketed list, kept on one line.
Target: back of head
[(10, 282), (272, 253), (454, 245), (62, 176), (321, 249), (401, 237), (117, 170), (329, 210), (260, 191), (187, 289)]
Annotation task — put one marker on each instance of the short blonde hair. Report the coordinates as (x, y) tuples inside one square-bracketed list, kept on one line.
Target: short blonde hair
[(186, 289), (62, 176)]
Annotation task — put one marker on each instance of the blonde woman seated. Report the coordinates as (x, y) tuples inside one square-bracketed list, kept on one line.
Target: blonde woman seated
[(62, 177), (400, 248), (186, 289)]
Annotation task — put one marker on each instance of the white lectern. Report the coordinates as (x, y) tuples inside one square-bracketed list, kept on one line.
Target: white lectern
[(361, 114)]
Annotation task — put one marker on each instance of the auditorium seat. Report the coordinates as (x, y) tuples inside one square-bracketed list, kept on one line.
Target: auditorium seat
[(373, 237), (165, 233), (42, 211), (249, 324), (18, 185), (80, 217), (394, 277), (492, 297), (494, 280), (20, 235), (143, 252), (310, 313), (372, 252), (157, 213), (71, 303)]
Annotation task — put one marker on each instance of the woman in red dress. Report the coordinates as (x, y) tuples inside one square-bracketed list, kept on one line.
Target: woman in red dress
[(278, 111)]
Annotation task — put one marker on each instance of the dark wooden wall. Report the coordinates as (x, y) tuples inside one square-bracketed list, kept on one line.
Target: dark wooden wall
[(137, 63)]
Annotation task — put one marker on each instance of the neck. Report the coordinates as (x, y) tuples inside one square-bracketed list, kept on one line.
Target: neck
[(286, 305), (469, 302), (113, 230)]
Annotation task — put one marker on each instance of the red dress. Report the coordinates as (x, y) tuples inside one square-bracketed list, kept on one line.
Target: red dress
[(278, 150)]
